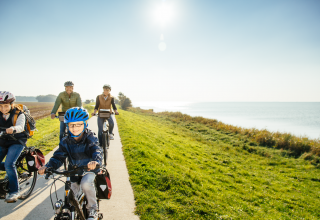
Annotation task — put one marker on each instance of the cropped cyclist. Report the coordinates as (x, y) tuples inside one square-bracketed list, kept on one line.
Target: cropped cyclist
[(68, 99), (81, 148), (105, 101), (8, 146)]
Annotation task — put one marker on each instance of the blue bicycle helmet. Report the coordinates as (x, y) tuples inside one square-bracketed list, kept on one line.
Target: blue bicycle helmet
[(76, 114)]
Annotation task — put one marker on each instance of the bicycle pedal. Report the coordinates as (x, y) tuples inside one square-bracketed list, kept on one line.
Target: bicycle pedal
[(100, 216), (24, 175)]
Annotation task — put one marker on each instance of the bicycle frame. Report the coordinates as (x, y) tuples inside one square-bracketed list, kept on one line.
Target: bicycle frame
[(71, 203), (23, 175)]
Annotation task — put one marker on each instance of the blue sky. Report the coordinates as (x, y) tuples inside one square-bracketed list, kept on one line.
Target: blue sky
[(215, 50)]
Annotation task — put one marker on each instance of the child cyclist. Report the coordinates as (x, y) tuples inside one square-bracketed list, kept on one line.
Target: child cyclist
[(81, 148), (10, 147)]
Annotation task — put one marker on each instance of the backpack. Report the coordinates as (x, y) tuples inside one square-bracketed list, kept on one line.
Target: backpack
[(30, 122)]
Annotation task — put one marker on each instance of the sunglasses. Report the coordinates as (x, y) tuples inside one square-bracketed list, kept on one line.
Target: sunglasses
[(75, 125)]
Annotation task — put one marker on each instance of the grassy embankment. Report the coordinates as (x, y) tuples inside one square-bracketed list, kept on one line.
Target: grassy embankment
[(182, 169)]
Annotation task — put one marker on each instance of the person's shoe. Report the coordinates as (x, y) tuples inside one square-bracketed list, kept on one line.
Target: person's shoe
[(12, 198), (111, 136), (93, 215)]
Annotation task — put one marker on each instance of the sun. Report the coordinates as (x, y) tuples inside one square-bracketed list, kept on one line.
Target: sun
[(164, 13)]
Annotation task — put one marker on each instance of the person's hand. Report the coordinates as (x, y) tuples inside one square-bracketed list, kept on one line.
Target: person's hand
[(53, 116), (42, 170), (9, 130), (116, 112), (93, 114), (92, 165)]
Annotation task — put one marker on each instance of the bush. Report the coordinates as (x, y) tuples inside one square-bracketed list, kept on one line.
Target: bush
[(46, 98), (124, 101)]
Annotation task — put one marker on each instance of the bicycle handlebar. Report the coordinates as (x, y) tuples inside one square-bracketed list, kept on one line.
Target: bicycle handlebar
[(50, 171)]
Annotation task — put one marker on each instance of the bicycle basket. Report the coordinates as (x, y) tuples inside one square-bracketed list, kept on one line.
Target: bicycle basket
[(103, 185), (104, 113), (61, 116)]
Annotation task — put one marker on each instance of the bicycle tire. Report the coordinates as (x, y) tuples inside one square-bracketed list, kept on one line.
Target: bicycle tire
[(74, 203), (65, 164), (104, 147), (31, 180)]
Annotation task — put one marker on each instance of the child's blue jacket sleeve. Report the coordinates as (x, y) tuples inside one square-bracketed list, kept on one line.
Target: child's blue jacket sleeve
[(96, 152), (58, 158)]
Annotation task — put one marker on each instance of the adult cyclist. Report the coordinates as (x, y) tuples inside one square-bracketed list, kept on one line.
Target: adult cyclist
[(105, 101), (8, 146), (68, 99)]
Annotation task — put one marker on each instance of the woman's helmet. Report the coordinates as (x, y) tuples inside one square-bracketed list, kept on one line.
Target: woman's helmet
[(76, 114), (68, 83), (6, 97), (107, 86)]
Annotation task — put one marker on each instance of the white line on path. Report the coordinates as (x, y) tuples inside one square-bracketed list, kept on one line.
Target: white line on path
[(120, 207)]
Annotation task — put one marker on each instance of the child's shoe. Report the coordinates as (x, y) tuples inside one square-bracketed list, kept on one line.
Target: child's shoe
[(12, 198), (93, 215), (111, 136)]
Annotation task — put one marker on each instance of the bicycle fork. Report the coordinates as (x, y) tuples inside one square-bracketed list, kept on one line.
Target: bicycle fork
[(65, 211)]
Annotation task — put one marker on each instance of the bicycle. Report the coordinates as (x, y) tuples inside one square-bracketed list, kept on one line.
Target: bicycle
[(105, 115), (26, 178), (72, 208)]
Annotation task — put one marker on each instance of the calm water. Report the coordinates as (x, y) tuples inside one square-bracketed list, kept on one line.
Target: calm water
[(299, 118)]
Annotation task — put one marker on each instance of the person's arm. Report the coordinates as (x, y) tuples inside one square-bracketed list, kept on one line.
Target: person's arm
[(20, 123), (97, 106), (58, 158), (97, 103), (113, 104), (79, 103), (95, 150), (56, 105)]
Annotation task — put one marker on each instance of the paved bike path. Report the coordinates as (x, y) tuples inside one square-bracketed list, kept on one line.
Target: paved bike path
[(120, 207)]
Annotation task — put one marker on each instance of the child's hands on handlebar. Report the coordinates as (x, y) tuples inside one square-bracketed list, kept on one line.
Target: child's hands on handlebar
[(9, 130), (42, 170), (92, 165)]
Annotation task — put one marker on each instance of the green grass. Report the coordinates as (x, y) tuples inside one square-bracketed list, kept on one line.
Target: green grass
[(190, 171)]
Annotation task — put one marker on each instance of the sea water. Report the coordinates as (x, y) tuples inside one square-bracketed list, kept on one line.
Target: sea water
[(298, 118)]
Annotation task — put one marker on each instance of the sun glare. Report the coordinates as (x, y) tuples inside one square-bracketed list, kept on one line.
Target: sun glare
[(164, 13)]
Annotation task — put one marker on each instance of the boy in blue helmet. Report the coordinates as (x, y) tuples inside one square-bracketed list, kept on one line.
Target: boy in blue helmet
[(82, 148)]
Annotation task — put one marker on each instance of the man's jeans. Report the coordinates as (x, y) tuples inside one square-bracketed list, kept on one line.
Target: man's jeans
[(62, 129), (13, 152), (88, 188), (100, 127)]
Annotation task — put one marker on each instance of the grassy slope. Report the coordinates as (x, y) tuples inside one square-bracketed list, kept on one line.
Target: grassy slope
[(177, 173)]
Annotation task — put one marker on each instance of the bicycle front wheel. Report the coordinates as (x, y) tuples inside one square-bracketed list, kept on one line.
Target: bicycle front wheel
[(78, 212)]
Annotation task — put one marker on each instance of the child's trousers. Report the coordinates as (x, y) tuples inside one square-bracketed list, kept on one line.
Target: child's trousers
[(88, 188)]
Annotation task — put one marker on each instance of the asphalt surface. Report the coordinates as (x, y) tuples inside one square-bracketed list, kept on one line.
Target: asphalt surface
[(38, 205)]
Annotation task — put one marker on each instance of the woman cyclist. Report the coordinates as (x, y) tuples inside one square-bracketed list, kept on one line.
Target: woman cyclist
[(10, 147), (104, 101), (68, 99)]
